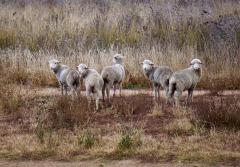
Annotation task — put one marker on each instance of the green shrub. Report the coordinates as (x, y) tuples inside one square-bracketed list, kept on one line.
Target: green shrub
[(87, 140), (125, 143)]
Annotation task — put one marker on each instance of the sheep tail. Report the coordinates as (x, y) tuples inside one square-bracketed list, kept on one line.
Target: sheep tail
[(76, 79), (105, 79), (92, 89)]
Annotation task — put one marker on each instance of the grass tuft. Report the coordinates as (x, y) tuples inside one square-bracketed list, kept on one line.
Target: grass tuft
[(87, 140)]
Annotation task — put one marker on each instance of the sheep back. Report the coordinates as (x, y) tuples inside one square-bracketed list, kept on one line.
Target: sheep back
[(68, 77), (184, 79), (73, 78), (113, 73), (93, 79), (160, 75)]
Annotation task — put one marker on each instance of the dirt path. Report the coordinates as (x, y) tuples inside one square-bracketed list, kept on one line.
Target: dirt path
[(94, 163), (128, 92)]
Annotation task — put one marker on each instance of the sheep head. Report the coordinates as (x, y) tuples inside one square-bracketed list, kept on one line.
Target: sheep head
[(118, 59), (54, 64), (82, 68), (147, 65), (196, 64)]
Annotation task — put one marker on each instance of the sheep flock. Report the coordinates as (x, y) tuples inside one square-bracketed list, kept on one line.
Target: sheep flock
[(112, 76)]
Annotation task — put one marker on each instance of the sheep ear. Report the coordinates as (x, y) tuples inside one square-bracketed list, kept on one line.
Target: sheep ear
[(152, 64), (141, 63)]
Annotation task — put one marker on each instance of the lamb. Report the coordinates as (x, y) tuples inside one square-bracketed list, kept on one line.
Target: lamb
[(68, 78), (113, 76), (186, 79), (158, 75), (93, 83)]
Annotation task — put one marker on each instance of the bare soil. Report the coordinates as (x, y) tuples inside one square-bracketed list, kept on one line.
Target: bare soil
[(95, 163), (138, 108)]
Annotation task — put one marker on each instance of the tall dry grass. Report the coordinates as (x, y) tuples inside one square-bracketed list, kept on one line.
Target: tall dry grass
[(170, 33)]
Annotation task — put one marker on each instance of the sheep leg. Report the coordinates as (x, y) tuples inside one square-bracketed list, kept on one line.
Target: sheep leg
[(166, 94), (166, 90), (61, 87), (103, 92), (170, 93), (98, 96), (75, 91), (72, 93), (170, 99), (78, 91), (189, 98), (109, 86), (153, 89), (155, 92), (120, 89), (158, 92), (97, 104), (108, 94), (114, 90), (177, 95), (89, 98), (66, 92)]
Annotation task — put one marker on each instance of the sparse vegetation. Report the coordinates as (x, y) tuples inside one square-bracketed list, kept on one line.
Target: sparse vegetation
[(36, 123), (59, 128), (125, 143), (222, 112), (87, 140)]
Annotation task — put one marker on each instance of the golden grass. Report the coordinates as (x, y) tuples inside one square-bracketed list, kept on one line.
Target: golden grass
[(91, 33), (52, 127), (213, 147)]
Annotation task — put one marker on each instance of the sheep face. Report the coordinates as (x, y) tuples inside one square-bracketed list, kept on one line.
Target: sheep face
[(147, 65), (196, 64), (54, 64), (82, 68), (118, 59)]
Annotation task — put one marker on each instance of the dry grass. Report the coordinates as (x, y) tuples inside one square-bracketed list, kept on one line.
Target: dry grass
[(223, 112), (91, 33), (36, 127), (59, 128)]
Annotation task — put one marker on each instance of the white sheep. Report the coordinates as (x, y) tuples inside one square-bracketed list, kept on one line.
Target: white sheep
[(186, 79), (93, 83), (113, 76), (68, 78), (158, 75)]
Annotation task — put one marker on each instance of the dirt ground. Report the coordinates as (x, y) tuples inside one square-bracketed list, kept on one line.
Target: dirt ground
[(55, 91), (153, 125), (138, 107), (95, 163)]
